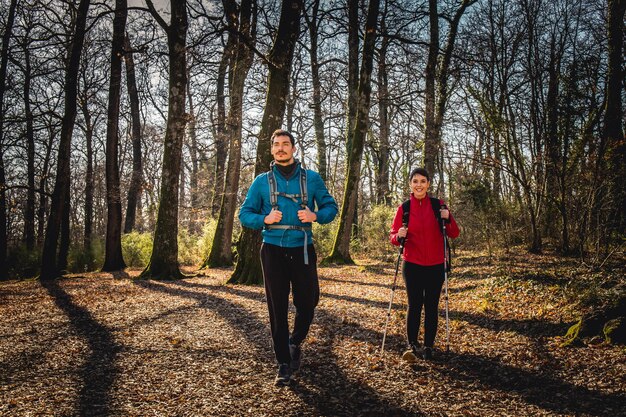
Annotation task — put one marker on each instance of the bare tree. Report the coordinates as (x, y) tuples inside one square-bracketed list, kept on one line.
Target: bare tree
[(341, 246), (221, 251), (164, 259), (136, 180), (248, 268), (113, 258), (50, 267)]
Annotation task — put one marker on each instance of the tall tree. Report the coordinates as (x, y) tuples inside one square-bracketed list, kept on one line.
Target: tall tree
[(437, 75), (221, 251), (314, 23), (113, 258), (382, 157), (136, 179), (4, 60), (280, 57), (50, 267), (340, 252), (164, 259), (613, 136)]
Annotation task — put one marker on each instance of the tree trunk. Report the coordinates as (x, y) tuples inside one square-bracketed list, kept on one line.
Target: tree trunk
[(89, 182), (353, 69), (613, 134), (64, 241), (49, 265), (6, 38), (43, 198), (136, 179), (113, 258), (382, 171), (221, 138), (318, 121), (248, 268), (29, 217), (194, 227), (430, 137), (164, 259), (221, 249), (341, 246)]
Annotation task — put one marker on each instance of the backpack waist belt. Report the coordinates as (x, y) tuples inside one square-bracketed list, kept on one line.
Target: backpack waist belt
[(304, 229)]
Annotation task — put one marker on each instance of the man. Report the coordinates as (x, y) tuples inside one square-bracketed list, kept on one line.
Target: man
[(282, 202)]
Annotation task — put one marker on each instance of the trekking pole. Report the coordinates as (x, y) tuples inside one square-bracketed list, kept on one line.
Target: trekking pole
[(393, 289), (445, 276)]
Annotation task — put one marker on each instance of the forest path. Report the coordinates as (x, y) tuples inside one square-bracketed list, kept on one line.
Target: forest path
[(98, 344)]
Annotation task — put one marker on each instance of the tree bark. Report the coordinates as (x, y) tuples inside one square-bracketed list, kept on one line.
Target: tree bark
[(382, 168), (164, 259), (430, 143), (248, 268), (221, 250), (29, 216), (136, 179), (89, 182), (49, 265), (113, 258), (341, 246), (6, 38), (318, 121), (613, 135)]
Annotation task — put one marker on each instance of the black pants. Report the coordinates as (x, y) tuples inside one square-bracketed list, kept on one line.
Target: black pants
[(284, 268), (423, 287)]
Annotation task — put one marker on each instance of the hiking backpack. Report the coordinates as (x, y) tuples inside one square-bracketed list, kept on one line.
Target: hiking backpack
[(436, 206)]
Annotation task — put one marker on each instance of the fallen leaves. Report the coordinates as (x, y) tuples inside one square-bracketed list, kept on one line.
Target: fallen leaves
[(196, 347)]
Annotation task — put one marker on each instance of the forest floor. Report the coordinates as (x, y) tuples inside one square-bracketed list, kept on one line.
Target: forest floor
[(102, 344)]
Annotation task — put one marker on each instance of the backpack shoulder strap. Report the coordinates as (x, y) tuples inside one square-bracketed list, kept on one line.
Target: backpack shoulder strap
[(271, 179), (436, 205), (406, 212), (303, 187)]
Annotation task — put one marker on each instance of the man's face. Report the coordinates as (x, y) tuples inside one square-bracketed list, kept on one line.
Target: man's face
[(282, 150)]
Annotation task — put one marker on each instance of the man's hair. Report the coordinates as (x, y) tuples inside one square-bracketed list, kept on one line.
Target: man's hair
[(282, 132), (421, 171)]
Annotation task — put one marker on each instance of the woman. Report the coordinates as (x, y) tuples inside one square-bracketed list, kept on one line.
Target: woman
[(423, 267)]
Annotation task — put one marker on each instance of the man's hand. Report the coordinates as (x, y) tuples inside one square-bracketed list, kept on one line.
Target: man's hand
[(274, 217), (307, 216)]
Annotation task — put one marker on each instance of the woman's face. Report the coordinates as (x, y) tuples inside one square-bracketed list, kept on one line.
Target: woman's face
[(419, 186)]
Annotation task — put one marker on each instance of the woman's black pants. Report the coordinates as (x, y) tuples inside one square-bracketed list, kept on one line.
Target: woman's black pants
[(284, 268), (423, 287)]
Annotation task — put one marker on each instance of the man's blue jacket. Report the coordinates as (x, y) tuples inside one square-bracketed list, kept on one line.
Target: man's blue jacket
[(257, 205)]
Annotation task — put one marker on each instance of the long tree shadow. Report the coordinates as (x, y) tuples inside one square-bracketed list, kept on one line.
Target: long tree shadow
[(540, 389), (565, 397), (528, 327), (99, 371), (328, 378)]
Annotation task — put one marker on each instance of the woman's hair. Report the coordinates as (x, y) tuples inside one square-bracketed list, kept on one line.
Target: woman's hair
[(421, 171)]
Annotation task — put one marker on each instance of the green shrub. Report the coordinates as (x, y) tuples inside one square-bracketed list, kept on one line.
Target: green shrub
[(323, 236), (137, 248), (374, 233), (193, 249)]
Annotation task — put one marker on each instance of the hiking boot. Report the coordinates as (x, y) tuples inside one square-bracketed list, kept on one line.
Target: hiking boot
[(296, 356), (427, 353), (284, 375), (412, 353)]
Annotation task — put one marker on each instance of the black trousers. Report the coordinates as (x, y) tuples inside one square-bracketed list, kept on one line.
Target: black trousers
[(423, 287), (283, 269)]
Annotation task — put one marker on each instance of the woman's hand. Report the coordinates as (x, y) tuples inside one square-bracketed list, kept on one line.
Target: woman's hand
[(402, 232)]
